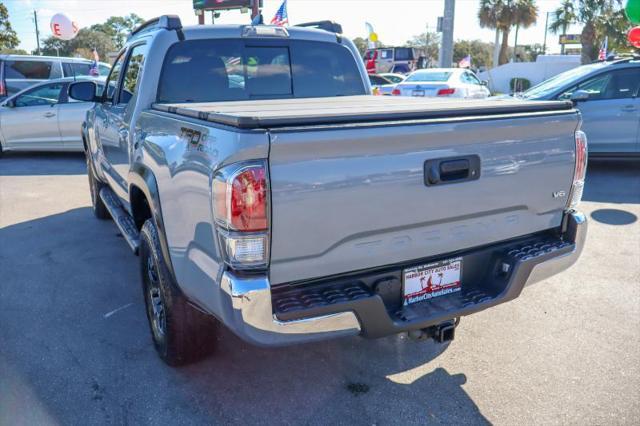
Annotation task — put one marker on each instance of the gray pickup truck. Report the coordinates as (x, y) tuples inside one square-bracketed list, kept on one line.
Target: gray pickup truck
[(264, 188)]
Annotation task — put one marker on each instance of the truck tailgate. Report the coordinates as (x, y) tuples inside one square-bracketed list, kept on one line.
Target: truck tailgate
[(352, 197)]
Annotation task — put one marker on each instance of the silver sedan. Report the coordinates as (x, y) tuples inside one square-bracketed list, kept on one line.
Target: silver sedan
[(42, 118)]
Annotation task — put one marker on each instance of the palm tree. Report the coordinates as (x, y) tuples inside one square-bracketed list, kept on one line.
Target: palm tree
[(525, 14), (591, 14), (563, 17), (502, 15)]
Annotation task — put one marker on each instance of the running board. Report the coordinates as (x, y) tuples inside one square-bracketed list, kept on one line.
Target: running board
[(123, 220)]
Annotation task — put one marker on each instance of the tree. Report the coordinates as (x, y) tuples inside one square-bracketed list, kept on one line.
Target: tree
[(600, 18), (480, 51), (427, 43), (8, 37), (531, 51), (563, 17), (503, 15), (361, 44), (82, 45), (118, 28)]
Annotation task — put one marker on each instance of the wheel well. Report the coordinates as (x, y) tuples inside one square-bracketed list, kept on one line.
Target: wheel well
[(140, 207)]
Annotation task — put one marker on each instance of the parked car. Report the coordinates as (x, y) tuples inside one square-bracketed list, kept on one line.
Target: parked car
[(380, 85), (43, 118), (606, 93), (295, 208), (17, 72), (393, 77), (390, 60), (443, 82)]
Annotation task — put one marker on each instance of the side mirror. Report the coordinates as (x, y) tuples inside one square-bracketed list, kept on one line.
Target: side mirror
[(9, 104), (84, 91), (579, 95), (484, 83)]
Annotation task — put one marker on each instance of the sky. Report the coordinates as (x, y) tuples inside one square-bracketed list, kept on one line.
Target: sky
[(395, 21)]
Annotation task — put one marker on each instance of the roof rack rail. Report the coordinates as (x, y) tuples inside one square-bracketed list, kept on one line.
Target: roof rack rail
[(331, 26), (167, 22)]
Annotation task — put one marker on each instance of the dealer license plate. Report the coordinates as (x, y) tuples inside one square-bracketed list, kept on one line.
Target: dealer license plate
[(436, 279), (418, 93)]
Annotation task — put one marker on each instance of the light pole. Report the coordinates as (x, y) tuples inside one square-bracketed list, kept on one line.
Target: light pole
[(446, 46), (546, 27)]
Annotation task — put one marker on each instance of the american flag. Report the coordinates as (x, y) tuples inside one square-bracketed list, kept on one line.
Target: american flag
[(602, 55), (282, 18), (94, 65), (465, 62)]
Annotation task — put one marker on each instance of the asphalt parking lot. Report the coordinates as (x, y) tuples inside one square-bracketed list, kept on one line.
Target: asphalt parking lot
[(75, 347)]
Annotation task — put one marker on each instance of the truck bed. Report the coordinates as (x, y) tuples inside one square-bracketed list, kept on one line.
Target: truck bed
[(256, 114)]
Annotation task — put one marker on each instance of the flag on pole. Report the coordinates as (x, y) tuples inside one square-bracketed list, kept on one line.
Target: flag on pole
[(282, 17), (94, 71), (465, 62), (602, 55)]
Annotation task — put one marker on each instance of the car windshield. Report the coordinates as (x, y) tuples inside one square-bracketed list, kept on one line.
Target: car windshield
[(227, 70), (429, 76), (550, 86)]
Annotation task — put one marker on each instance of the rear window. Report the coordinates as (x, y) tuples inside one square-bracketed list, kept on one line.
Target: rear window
[(230, 70), (429, 76), (31, 70), (404, 54)]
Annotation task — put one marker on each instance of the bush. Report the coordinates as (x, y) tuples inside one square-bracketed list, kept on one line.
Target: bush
[(518, 84)]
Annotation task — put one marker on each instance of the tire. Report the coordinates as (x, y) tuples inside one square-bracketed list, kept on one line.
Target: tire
[(181, 334), (99, 209)]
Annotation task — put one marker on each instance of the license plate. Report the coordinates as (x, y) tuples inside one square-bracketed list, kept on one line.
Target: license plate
[(418, 93), (435, 279)]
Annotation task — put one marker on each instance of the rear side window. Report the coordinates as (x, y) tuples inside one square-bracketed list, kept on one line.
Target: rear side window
[(81, 69), (230, 70), (31, 70)]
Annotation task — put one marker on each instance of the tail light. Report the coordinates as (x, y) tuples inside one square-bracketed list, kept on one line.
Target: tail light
[(396, 92), (446, 92), (3, 90), (580, 170), (240, 209)]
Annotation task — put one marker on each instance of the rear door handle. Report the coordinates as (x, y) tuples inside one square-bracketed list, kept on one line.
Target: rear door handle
[(49, 114)]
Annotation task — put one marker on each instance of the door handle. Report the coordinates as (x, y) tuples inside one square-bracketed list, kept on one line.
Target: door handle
[(124, 135), (451, 170), (49, 114), (629, 108)]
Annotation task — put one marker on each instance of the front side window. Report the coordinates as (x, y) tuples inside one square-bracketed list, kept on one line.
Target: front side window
[(132, 73), (43, 95), (229, 70), (114, 76), (471, 78), (103, 70), (620, 84), (31, 70)]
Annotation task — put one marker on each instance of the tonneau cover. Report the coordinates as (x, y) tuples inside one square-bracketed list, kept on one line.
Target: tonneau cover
[(256, 114)]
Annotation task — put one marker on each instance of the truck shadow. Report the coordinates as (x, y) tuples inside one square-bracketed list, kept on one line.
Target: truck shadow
[(75, 341), (39, 164), (611, 181)]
